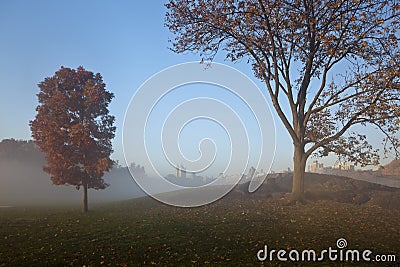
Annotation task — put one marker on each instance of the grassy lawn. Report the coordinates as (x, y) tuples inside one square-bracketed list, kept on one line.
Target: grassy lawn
[(228, 232)]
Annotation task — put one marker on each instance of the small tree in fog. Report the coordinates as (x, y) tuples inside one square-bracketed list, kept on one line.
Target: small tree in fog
[(74, 129), (137, 170)]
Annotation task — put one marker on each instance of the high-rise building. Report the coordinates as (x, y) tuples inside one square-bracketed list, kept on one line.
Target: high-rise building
[(180, 171), (316, 167)]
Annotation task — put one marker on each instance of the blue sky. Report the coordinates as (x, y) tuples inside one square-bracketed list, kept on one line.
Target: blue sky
[(125, 41)]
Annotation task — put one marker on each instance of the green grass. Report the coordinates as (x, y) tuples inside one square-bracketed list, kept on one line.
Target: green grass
[(228, 232)]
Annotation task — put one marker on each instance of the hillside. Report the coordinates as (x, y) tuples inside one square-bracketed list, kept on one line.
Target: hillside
[(318, 187), (326, 187), (393, 168)]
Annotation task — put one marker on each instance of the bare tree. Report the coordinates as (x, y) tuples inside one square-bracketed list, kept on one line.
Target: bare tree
[(334, 63)]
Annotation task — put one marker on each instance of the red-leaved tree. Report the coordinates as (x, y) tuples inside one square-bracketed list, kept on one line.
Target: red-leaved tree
[(74, 129)]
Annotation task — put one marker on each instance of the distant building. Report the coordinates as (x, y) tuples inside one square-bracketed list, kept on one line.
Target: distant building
[(288, 170), (180, 171), (251, 173), (183, 172), (316, 167), (343, 166), (337, 169)]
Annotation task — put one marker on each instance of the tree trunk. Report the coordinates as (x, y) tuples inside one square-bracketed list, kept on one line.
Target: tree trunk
[(299, 162), (85, 197)]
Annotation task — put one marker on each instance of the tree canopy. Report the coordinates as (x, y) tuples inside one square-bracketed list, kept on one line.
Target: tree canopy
[(74, 129), (334, 63)]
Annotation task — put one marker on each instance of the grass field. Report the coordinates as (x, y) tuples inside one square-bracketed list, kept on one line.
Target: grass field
[(228, 232)]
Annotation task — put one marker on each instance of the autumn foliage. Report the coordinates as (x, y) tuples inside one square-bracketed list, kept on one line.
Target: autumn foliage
[(74, 129), (327, 65)]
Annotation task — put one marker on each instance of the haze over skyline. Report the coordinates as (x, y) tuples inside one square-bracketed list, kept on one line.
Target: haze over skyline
[(125, 42)]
